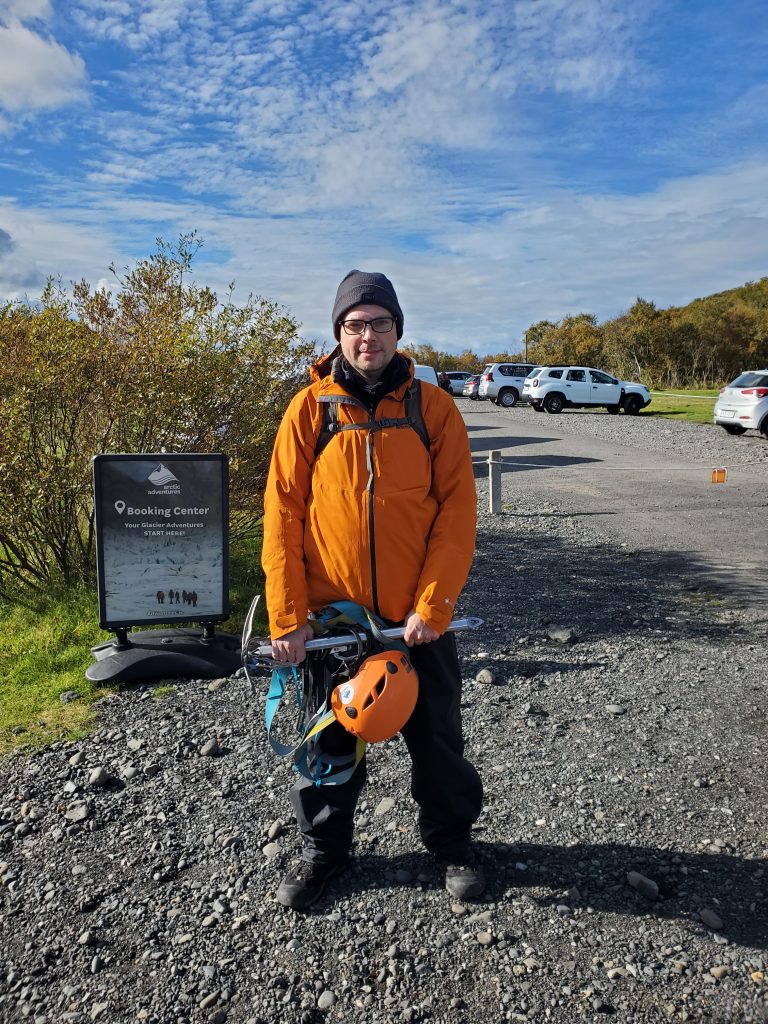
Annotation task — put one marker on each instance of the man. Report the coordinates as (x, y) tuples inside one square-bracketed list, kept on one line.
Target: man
[(378, 519)]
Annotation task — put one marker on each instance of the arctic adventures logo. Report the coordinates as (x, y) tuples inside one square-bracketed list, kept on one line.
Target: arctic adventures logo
[(164, 481)]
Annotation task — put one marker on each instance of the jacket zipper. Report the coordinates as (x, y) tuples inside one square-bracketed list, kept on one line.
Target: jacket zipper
[(371, 523), (369, 454)]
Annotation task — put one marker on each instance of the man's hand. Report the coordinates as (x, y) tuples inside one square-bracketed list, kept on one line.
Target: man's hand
[(290, 648), (417, 631)]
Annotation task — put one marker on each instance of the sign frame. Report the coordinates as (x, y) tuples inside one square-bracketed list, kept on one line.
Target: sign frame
[(101, 464)]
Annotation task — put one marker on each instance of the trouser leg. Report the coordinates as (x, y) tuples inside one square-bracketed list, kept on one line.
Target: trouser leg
[(445, 785), (325, 814)]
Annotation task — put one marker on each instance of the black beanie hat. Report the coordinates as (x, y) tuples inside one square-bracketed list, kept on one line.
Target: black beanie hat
[(359, 288)]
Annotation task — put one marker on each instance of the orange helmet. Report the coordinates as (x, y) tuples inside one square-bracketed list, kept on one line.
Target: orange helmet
[(379, 699)]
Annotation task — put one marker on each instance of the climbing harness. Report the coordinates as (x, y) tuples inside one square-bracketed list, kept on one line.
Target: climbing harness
[(353, 665)]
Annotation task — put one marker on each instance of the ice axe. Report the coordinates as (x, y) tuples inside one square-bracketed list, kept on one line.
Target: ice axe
[(339, 641)]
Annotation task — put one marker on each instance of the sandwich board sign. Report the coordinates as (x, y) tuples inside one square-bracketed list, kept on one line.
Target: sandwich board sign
[(162, 537), (162, 541)]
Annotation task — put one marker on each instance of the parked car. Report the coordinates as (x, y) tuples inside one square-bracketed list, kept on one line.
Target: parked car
[(471, 386), (457, 378), (503, 382), (743, 404), (555, 388), (428, 373), (523, 396)]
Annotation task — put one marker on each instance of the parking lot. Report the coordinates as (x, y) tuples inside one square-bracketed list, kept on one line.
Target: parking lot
[(645, 481)]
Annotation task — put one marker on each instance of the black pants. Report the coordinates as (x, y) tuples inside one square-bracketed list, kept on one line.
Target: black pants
[(446, 787)]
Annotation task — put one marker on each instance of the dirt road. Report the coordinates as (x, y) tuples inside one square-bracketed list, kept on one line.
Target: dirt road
[(645, 481)]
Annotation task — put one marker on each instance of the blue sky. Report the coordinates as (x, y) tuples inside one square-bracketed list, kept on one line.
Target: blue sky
[(502, 162)]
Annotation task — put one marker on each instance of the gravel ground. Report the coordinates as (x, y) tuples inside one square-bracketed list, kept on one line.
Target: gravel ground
[(698, 442), (618, 717)]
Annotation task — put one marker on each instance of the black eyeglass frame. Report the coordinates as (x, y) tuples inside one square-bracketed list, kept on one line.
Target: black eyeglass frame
[(368, 323)]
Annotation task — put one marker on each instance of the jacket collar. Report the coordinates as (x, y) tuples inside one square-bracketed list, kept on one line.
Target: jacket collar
[(330, 373)]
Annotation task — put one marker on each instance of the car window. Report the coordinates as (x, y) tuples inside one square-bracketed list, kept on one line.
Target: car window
[(505, 369), (602, 378), (576, 375), (555, 373), (752, 379), (533, 372)]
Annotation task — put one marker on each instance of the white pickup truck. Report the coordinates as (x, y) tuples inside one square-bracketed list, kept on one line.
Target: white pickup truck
[(554, 388)]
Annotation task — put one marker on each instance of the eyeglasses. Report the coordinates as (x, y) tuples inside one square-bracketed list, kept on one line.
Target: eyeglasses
[(380, 325)]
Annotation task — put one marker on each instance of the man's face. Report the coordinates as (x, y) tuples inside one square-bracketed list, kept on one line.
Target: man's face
[(370, 352)]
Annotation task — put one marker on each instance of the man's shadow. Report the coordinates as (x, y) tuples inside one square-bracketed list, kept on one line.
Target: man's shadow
[(595, 875)]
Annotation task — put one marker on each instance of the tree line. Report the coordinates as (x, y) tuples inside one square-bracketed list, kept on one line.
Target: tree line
[(702, 345)]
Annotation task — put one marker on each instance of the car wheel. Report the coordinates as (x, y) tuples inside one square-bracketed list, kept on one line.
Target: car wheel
[(554, 403), (733, 428), (507, 398), (632, 405), (764, 427), (613, 410)]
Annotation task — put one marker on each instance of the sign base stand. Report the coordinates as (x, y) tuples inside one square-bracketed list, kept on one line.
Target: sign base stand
[(164, 654)]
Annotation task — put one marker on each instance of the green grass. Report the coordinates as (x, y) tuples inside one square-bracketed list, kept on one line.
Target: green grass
[(684, 404), (45, 652)]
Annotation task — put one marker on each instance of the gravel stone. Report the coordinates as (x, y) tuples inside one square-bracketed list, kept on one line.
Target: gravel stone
[(647, 888), (562, 634), (99, 778), (711, 919), (326, 1000)]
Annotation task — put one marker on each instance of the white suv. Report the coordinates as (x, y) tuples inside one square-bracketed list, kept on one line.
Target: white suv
[(503, 382), (553, 388), (457, 378)]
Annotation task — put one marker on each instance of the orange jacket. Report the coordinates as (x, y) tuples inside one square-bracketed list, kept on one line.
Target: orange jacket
[(397, 539)]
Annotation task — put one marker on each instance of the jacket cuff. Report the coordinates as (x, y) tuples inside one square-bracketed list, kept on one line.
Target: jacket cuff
[(436, 618)]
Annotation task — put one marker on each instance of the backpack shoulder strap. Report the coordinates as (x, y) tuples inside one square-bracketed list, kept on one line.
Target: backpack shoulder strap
[(413, 411), (330, 425)]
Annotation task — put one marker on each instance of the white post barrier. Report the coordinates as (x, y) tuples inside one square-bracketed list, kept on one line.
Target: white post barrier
[(494, 482)]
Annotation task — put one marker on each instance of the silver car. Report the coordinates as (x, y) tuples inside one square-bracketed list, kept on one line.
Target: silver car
[(743, 404)]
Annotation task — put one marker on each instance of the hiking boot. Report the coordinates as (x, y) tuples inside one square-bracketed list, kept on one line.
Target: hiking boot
[(304, 883), (464, 878)]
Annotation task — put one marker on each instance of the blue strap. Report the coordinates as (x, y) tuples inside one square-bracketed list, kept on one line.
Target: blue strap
[(280, 677), (326, 769)]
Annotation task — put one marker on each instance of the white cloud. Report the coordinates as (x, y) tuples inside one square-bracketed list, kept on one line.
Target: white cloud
[(24, 10), (35, 73), (476, 285), (300, 132)]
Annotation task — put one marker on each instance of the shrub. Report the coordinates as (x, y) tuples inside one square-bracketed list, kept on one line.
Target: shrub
[(160, 365)]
